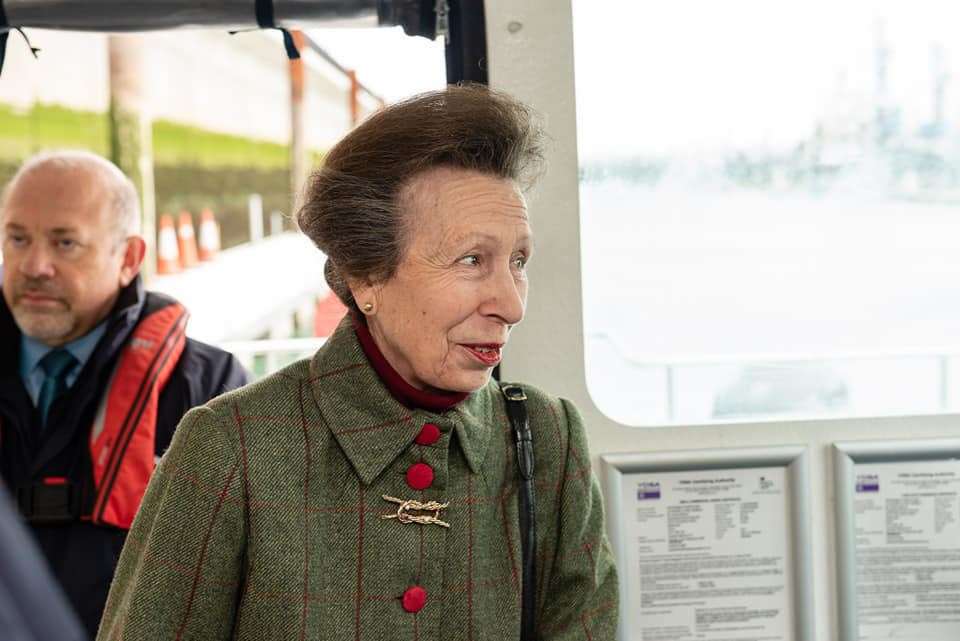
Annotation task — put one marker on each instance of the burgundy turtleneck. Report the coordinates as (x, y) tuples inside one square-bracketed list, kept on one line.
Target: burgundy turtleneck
[(401, 390)]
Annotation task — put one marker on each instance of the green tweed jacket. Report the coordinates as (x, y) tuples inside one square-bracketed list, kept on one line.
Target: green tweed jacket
[(266, 519)]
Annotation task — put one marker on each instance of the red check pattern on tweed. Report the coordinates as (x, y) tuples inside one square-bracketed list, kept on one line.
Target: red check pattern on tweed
[(264, 519)]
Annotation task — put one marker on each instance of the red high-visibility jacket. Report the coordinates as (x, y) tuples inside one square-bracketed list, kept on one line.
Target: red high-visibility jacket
[(82, 552)]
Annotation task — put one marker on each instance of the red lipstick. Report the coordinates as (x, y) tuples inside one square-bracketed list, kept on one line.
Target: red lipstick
[(486, 353)]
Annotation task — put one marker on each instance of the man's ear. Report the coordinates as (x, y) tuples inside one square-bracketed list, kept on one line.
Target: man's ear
[(133, 253)]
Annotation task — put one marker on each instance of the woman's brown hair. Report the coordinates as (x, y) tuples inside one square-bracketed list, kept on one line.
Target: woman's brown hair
[(352, 208)]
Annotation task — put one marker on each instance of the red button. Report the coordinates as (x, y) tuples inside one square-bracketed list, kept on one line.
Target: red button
[(414, 599), (420, 476), (429, 435)]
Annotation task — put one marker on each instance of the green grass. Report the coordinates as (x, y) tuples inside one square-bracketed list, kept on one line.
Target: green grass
[(175, 144), (50, 126)]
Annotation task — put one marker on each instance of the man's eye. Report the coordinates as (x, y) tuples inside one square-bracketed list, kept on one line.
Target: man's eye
[(66, 243), (520, 261), (472, 260)]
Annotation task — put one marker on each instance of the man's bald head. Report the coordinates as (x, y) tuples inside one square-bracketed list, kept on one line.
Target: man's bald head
[(104, 179)]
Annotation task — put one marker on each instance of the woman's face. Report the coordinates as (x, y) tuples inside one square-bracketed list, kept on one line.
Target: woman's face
[(443, 318)]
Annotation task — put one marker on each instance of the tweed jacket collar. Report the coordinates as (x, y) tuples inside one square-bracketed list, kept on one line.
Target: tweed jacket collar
[(371, 426)]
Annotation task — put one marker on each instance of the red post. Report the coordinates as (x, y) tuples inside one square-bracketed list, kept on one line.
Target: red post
[(354, 98), (298, 142)]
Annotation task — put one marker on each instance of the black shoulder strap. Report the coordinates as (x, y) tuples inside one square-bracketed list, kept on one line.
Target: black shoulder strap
[(523, 439)]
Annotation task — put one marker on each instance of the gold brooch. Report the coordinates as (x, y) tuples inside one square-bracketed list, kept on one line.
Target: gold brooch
[(405, 509)]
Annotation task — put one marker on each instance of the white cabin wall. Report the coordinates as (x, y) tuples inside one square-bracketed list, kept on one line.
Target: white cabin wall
[(535, 63)]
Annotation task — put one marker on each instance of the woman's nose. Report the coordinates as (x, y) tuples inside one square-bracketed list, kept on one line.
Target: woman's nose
[(508, 298)]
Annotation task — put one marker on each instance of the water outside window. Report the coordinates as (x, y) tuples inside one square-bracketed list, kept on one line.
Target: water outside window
[(770, 207)]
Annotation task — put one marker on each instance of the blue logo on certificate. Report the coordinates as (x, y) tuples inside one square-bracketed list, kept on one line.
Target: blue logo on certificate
[(648, 491), (868, 483)]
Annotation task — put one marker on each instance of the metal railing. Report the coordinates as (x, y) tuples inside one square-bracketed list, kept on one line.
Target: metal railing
[(943, 358), (262, 357)]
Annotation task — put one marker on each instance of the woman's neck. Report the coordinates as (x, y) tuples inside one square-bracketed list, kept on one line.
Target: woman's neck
[(401, 390)]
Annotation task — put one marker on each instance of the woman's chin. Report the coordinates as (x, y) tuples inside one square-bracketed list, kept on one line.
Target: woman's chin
[(464, 382)]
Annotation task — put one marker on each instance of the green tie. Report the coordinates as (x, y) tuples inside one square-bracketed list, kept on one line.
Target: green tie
[(56, 365)]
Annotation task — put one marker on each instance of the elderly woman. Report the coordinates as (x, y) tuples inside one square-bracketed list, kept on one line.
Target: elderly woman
[(373, 492)]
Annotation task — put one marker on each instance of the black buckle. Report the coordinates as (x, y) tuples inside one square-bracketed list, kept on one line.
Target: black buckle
[(46, 503), (514, 393)]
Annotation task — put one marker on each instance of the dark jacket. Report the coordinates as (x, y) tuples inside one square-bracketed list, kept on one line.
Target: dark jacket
[(82, 555)]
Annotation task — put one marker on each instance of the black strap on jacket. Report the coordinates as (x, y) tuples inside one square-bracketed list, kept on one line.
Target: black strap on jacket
[(53, 500), (523, 440)]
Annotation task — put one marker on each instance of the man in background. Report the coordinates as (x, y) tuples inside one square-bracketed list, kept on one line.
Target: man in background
[(95, 373)]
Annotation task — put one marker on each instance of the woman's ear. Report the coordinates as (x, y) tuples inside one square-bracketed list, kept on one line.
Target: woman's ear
[(366, 294)]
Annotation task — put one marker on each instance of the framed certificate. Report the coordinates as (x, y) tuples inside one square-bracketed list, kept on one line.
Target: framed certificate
[(712, 545), (898, 539)]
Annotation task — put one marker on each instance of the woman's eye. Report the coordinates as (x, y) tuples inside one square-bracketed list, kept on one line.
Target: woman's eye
[(472, 260), (520, 261)]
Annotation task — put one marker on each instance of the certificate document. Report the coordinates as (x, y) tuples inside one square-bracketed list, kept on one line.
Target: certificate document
[(708, 555), (907, 528)]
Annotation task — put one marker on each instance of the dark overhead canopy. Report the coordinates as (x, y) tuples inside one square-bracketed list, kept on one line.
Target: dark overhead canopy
[(151, 15), (418, 17), (460, 21)]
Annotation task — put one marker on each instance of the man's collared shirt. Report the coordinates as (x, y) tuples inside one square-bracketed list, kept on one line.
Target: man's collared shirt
[(32, 351)]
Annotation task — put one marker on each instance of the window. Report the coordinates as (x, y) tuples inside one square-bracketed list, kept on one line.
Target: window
[(770, 207)]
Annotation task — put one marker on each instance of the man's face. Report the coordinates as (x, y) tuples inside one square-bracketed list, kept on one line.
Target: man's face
[(65, 259)]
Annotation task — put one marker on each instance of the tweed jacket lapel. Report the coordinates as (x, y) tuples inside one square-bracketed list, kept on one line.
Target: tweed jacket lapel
[(474, 421), (373, 428)]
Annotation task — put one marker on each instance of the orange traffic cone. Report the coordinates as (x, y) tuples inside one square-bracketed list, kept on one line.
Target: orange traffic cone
[(168, 253), (187, 240), (209, 243)]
